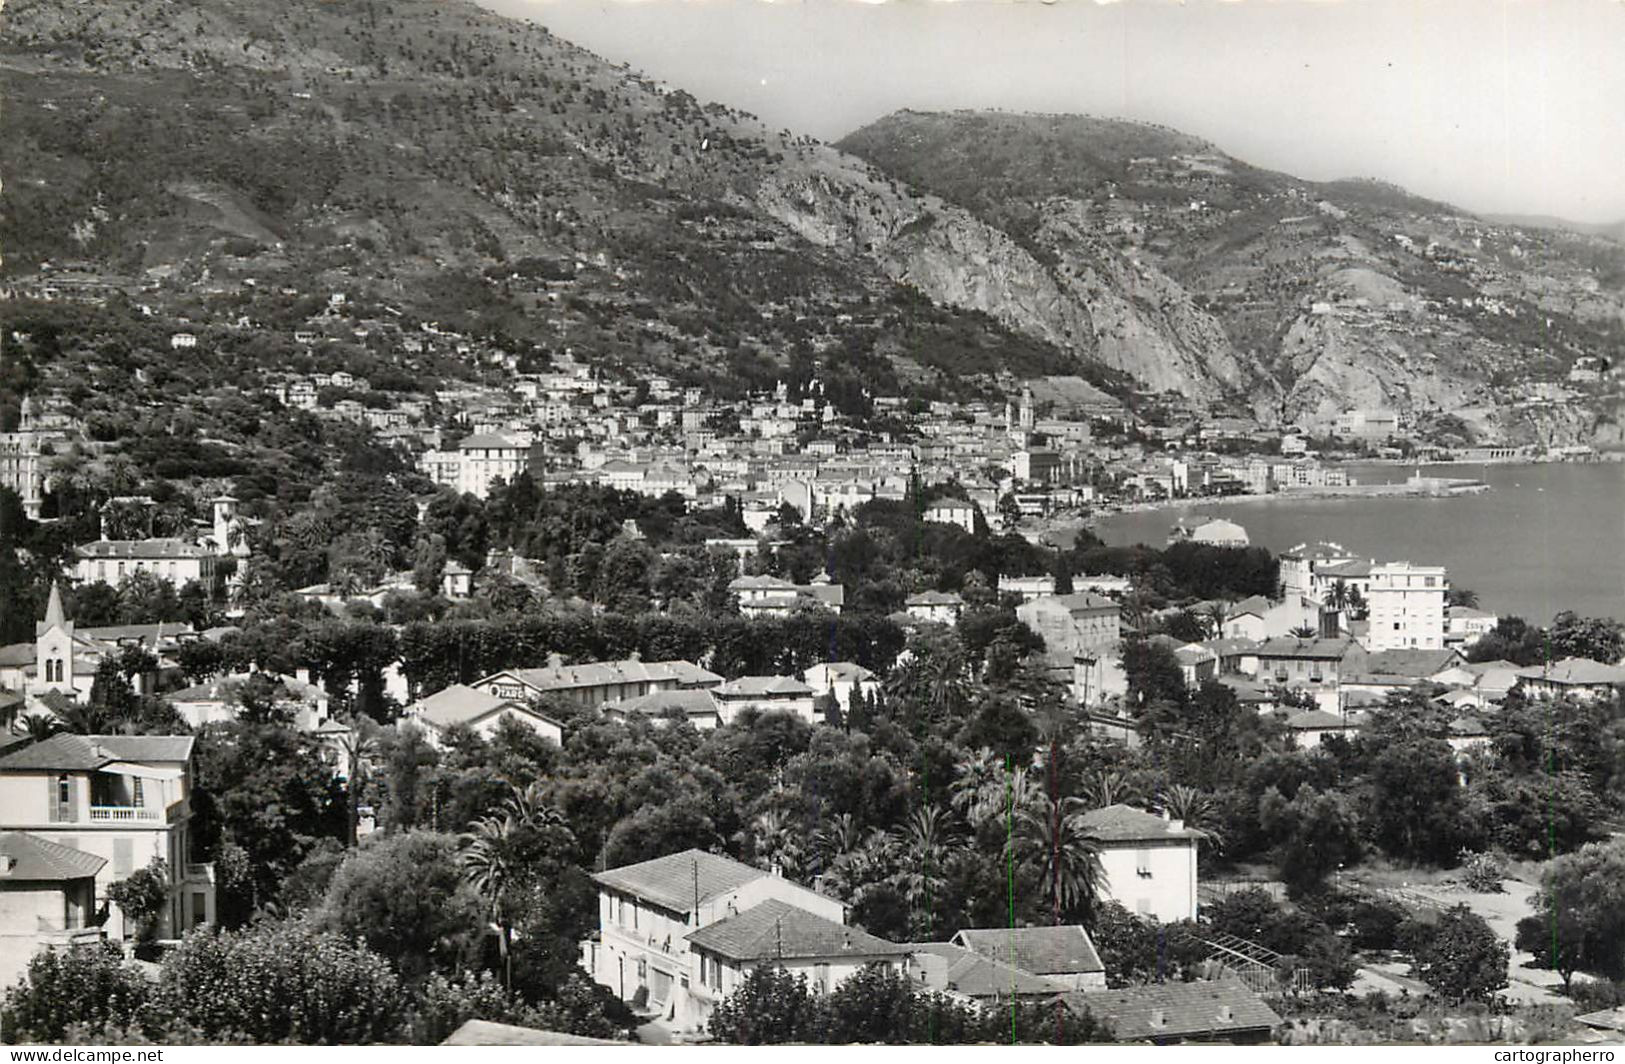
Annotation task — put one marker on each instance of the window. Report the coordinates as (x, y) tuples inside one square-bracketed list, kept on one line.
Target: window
[(139, 800), (821, 978), (1142, 863), (634, 916), (716, 974), (64, 790)]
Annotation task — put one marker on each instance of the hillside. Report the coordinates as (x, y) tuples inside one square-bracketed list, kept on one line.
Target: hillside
[(440, 163), (482, 173), (1310, 298)]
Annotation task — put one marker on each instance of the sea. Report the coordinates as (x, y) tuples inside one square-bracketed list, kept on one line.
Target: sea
[(1546, 537)]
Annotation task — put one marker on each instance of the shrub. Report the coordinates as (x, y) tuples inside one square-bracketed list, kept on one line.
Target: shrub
[(282, 983), (1482, 872), (90, 986)]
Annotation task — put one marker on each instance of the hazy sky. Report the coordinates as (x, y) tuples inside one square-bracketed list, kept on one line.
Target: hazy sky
[(1496, 106)]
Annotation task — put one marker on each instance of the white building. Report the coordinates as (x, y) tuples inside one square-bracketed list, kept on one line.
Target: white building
[(480, 711), (765, 694), (679, 933), (113, 561), (477, 461), (952, 512), (123, 799), (1407, 606), (939, 607), (1149, 862), (841, 680)]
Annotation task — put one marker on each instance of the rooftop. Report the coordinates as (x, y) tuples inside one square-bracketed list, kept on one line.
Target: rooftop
[(67, 752), (1199, 1009), (29, 857), (1063, 950), (776, 928), (1576, 672), (760, 686), (675, 880), (973, 975), (1124, 823)]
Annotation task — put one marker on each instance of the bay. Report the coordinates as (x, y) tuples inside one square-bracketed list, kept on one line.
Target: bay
[(1545, 538)]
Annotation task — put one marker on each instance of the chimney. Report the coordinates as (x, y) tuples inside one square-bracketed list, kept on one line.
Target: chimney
[(1159, 1018), (1175, 824), (1227, 1014), (555, 660)]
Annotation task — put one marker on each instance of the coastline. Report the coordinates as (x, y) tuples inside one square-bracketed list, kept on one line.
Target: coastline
[(1442, 488)]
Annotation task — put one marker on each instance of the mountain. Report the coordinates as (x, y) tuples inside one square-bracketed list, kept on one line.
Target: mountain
[(483, 173), (1611, 230), (1197, 269), (448, 164)]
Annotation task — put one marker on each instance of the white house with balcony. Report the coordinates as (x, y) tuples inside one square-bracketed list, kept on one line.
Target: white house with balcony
[(122, 798), (679, 933)]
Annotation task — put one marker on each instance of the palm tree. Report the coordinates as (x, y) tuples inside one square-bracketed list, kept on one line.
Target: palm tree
[(1215, 615), (1196, 810), (1303, 631), (778, 842), (1055, 842), (839, 837), (494, 856), (1337, 597), (37, 726), (1104, 787), (487, 864), (921, 849), (989, 789)]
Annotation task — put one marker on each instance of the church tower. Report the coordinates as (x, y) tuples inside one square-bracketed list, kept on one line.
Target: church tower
[(53, 648), (1028, 414)]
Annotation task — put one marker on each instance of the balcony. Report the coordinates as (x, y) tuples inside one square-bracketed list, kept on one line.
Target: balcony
[(123, 813)]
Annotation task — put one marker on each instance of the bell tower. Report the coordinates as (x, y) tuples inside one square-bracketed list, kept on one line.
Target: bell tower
[(53, 648)]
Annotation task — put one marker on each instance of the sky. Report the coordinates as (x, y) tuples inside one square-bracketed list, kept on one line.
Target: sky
[(1497, 106)]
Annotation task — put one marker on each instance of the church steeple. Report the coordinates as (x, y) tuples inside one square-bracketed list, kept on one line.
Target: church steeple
[(54, 617), (53, 648)]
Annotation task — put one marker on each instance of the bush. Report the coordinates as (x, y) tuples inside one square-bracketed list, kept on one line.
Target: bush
[(282, 983), (90, 986), (1482, 872), (1459, 957)]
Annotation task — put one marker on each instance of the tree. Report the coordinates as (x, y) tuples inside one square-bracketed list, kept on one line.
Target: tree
[(1579, 919), (142, 896), (770, 1007), (1598, 638), (1055, 842), (501, 853), (429, 564), (1460, 957), (406, 899), (1315, 834)]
